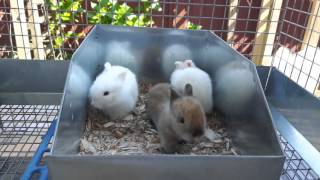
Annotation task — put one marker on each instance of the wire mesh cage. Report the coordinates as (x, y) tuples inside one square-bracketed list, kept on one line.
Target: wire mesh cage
[(22, 127), (280, 33), (295, 167)]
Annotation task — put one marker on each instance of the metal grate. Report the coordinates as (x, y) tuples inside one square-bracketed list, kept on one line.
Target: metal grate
[(22, 127), (282, 33), (295, 168), (298, 54)]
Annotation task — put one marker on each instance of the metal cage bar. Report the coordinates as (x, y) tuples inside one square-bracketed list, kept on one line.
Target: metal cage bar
[(60, 27), (22, 127)]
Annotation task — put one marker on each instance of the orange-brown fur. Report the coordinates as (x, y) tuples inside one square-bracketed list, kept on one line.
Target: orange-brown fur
[(167, 109), (191, 111)]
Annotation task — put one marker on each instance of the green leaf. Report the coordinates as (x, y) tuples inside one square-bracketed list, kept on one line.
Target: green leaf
[(66, 17), (75, 6), (93, 5), (190, 25), (101, 12), (65, 5), (52, 27), (156, 6), (69, 34), (104, 2), (58, 42)]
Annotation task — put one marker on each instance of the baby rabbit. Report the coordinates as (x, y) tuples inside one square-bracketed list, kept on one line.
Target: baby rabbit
[(188, 73), (115, 91), (177, 118), (235, 86)]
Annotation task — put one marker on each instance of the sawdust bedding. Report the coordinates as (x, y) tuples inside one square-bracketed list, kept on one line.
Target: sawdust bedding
[(134, 134)]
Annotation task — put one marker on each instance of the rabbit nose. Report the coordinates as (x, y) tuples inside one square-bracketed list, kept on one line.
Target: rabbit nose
[(182, 141), (197, 132)]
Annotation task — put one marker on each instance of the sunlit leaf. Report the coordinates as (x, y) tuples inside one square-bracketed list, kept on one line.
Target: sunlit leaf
[(93, 5), (58, 42)]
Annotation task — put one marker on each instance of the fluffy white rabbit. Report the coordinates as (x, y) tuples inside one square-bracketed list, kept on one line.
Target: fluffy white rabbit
[(188, 73), (235, 86), (114, 91), (173, 53)]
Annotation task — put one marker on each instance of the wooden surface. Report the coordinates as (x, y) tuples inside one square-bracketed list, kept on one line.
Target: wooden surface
[(232, 19), (312, 33), (35, 30), (20, 29), (272, 29), (263, 28)]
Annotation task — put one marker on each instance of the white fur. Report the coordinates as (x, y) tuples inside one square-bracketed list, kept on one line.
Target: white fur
[(173, 53), (117, 51), (123, 91), (184, 64), (199, 80), (234, 87)]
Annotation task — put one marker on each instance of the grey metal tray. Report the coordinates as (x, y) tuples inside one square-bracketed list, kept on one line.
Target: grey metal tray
[(252, 131), (296, 114), (32, 82), (21, 117), (30, 94)]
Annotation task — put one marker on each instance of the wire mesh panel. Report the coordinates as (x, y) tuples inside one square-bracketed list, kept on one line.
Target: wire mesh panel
[(21, 129), (295, 168), (297, 52), (56, 28), (283, 33)]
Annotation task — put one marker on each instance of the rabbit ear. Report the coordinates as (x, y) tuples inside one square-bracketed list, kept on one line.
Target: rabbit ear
[(107, 65), (178, 64), (122, 76), (188, 90), (189, 63), (173, 94)]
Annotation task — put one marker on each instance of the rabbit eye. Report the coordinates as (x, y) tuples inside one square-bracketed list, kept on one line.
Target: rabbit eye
[(106, 93), (181, 120)]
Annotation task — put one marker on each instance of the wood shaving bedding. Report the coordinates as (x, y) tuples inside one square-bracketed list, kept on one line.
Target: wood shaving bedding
[(134, 134)]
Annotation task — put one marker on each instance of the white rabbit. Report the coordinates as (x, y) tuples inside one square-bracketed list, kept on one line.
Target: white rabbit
[(115, 91), (235, 86), (187, 73), (173, 53)]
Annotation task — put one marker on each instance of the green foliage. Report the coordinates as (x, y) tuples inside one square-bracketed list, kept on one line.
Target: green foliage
[(190, 25), (68, 12)]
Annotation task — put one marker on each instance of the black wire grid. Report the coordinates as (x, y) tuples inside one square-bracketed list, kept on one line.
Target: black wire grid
[(21, 126), (295, 167), (303, 67)]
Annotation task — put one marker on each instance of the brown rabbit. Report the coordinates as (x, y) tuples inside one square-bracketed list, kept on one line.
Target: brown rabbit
[(177, 118)]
